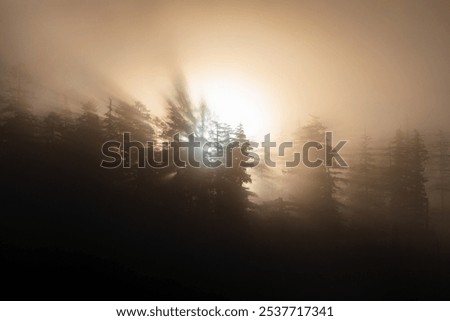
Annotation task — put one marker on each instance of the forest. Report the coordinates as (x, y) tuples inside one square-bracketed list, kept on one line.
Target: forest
[(74, 230)]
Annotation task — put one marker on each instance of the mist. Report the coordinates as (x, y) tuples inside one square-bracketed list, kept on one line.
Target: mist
[(87, 87), (355, 64)]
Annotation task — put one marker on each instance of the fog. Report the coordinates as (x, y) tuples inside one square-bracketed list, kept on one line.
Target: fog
[(358, 65), (85, 214)]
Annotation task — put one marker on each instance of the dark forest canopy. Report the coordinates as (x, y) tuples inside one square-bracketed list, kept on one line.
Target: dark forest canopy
[(392, 198)]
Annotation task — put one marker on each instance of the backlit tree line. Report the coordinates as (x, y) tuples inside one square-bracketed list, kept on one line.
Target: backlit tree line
[(389, 185)]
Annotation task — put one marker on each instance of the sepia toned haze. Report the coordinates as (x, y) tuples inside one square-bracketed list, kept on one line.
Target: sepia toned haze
[(97, 204), (374, 65)]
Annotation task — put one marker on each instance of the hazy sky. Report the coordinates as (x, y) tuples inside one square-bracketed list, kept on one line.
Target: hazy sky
[(373, 64)]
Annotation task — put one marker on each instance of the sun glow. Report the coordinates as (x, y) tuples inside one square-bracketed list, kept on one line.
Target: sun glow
[(235, 100)]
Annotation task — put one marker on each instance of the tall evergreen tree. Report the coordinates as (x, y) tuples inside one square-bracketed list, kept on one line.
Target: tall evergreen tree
[(318, 185), (203, 124), (88, 136), (408, 200), (364, 189), (180, 112), (53, 128), (111, 123), (441, 169)]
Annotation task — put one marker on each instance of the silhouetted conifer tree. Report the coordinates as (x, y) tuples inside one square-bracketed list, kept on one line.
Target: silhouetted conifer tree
[(408, 201), (180, 112), (441, 169), (364, 190), (317, 187)]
